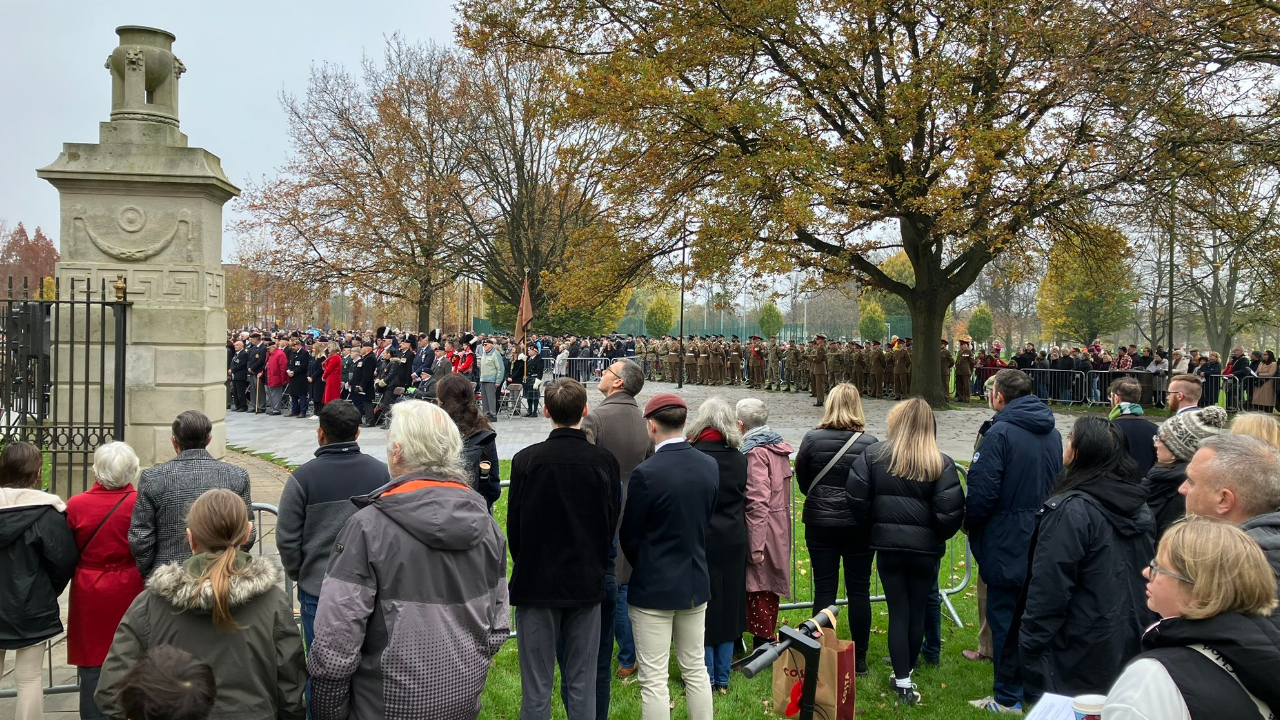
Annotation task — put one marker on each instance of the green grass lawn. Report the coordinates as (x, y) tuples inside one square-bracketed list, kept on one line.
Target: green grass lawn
[(945, 689)]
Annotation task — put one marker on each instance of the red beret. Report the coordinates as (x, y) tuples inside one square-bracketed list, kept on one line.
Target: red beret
[(662, 402)]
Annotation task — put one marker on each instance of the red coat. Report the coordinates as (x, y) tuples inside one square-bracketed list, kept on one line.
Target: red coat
[(106, 579), (332, 377), (277, 368)]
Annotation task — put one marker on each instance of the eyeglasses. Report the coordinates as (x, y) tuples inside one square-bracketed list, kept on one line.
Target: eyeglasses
[(1157, 569)]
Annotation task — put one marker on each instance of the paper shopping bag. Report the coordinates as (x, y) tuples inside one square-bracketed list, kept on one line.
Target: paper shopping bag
[(836, 689)]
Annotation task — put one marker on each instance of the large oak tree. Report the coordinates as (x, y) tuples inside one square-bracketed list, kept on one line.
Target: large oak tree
[(830, 134)]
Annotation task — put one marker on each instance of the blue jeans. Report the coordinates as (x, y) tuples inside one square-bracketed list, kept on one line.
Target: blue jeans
[(307, 604), (299, 404), (622, 630), (604, 661), (1001, 604), (719, 657)]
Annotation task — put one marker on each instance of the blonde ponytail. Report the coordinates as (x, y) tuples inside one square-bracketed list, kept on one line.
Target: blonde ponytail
[(218, 523)]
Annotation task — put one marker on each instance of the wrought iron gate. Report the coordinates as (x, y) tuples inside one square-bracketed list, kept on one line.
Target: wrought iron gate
[(62, 376)]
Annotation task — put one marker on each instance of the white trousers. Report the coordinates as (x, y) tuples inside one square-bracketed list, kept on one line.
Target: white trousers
[(653, 631), (26, 674)]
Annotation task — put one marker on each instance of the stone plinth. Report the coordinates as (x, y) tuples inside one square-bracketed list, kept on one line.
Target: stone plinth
[(142, 204)]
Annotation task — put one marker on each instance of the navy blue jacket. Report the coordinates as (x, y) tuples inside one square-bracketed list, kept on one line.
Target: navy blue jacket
[(670, 499), (1012, 474)]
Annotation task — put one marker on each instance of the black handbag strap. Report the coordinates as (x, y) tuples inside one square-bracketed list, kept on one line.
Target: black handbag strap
[(839, 454), (106, 517)]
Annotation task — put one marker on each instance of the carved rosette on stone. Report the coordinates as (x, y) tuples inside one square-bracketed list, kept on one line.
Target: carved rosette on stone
[(142, 204)]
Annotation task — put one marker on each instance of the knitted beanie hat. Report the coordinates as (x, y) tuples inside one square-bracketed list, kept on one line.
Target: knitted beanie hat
[(1182, 433)]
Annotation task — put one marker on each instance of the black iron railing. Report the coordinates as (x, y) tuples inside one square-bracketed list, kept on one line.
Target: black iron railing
[(62, 376)]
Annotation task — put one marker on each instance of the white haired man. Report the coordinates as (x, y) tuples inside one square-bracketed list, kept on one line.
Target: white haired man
[(415, 637)]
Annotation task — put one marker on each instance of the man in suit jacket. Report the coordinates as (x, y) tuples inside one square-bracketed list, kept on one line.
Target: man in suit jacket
[(257, 369), (617, 426), (664, 529), (158, 526), (562, 514)]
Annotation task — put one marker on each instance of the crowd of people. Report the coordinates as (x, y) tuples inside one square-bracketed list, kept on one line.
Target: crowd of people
[(293, 373), (1130, 559)]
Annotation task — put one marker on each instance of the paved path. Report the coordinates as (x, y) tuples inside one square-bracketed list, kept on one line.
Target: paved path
[(791, 415)]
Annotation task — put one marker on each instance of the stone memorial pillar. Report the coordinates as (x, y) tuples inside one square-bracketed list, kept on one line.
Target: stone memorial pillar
[(142, 204)]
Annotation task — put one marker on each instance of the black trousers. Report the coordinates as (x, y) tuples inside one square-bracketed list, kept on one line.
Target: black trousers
[(908, 580), (240, 393), (827, 547)]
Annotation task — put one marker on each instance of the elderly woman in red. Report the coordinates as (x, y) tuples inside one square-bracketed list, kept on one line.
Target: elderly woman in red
[(332, 374), (106, 579)]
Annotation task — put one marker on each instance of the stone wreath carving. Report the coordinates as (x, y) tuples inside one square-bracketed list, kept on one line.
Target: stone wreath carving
[(131, 224)]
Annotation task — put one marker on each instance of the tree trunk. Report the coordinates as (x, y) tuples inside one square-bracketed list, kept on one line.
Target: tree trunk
[(424, 307), (927, 312)]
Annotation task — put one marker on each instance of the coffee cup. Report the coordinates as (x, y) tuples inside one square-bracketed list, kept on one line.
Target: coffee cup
[(1088, 707)]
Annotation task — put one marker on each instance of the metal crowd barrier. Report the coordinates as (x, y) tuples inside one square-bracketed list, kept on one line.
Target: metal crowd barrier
[(1067, 387), (1242, 394), (588, 369), (960, 573), (1153, 385), (978, 385), (50, 688)]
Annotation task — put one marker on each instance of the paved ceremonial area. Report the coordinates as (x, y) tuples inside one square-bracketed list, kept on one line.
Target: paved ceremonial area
[(790, 414)]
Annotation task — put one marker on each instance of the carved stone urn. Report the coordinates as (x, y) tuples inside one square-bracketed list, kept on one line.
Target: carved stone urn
[(141, 203)]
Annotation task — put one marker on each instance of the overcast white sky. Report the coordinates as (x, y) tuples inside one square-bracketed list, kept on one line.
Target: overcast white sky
[(239, 56)]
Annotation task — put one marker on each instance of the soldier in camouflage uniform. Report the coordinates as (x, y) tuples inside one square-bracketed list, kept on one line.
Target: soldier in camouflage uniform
[(876, 367), (774, 356), (804, 377), (792, 366), (901, 370), (858, 366), (673, 358), (691, 360), (717, 362), (947, 362), (818, 369), (835, 364), (735, 361)]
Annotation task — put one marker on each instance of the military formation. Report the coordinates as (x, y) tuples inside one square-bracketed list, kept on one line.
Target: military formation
[(878, 371)]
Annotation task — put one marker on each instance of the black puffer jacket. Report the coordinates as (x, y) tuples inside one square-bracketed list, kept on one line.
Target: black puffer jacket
[(1085, 598), (1166, 503), (37, 558), (825, 504), (904, 515)]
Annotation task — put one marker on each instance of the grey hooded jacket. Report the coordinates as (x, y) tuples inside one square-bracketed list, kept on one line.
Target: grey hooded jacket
[(1266, 530), (413, 606)]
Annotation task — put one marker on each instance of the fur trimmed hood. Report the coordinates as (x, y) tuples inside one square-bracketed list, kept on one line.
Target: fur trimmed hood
[(177, 582)]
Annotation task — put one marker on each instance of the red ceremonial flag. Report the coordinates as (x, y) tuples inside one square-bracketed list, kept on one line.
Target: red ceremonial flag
[(524, 316)]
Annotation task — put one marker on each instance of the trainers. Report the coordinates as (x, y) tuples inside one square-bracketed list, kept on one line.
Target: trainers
[(907, 695), (990, 704)]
